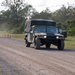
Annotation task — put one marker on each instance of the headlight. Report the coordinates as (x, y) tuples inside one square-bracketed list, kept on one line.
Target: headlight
[(57, 37), (45, 36)]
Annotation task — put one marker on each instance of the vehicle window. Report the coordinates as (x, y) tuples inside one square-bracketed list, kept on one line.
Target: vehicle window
[(39, 29), (52, 29)]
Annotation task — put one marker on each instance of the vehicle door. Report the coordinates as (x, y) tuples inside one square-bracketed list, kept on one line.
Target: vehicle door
[(32, 34)]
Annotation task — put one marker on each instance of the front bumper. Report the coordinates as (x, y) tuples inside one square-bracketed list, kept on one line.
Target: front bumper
[(50, 39)]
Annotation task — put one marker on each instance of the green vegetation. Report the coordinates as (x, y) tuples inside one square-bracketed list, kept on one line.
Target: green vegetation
[(3, 33), (13, 19), (17, 36), (70, 43), (8, 35)]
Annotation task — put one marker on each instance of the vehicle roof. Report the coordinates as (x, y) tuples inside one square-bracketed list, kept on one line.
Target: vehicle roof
[(30, 22), (40, 20)]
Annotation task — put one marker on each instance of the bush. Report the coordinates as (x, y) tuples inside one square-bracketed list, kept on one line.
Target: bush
[(18, 30), (71, 31)]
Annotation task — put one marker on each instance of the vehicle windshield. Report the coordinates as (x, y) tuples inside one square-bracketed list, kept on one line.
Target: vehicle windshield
[(52, 29), (46, 29), (41, 29)]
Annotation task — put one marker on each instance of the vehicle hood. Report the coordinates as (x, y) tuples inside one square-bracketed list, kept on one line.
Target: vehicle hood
[(40, 33)]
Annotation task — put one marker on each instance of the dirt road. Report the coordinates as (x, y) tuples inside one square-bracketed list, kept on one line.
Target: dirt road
[(16, 59)]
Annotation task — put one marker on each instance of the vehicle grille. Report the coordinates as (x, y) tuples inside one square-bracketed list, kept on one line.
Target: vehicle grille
[(51, 37)]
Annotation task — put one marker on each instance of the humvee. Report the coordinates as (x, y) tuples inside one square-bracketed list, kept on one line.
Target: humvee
[(43, 32)]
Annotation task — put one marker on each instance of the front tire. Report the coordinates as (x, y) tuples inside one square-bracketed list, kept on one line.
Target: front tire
[(60, 44), (37, 43), (27, 43)]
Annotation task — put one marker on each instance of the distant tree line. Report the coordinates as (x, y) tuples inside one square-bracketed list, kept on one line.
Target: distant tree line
[(18, 11)]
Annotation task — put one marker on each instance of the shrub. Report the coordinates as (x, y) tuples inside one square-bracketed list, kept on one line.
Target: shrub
[(18, 30)]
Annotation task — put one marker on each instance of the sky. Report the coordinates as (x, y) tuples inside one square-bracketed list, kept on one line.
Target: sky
[(53, 5)]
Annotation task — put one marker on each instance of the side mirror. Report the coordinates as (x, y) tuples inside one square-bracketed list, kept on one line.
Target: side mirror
[(64, 33)]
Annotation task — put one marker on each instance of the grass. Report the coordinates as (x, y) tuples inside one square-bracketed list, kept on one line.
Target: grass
[(3, 33), (17, 36), (69, 42)]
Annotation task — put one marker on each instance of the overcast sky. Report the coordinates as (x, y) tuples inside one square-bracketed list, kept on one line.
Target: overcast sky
[(51, 4)]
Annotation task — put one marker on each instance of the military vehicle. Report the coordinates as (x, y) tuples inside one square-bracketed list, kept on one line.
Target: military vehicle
[(43, 32)]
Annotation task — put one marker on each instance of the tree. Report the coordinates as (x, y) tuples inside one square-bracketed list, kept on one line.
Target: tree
[(17, 12), (71, 27), (45, 14)]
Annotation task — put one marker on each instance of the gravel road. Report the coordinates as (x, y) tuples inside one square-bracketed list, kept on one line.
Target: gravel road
[(16, 59)]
